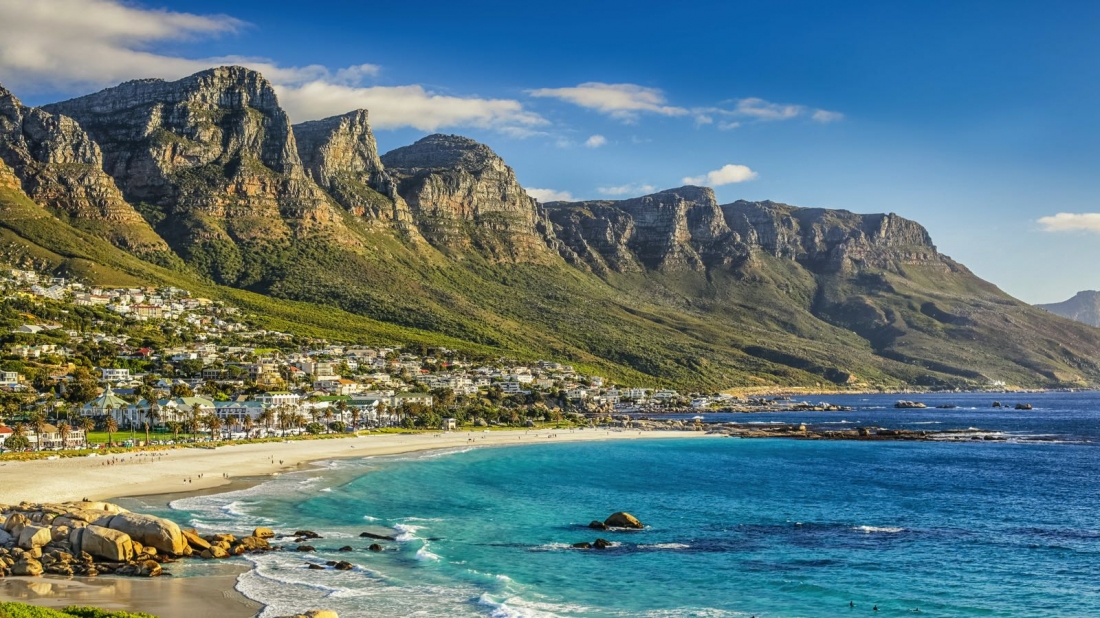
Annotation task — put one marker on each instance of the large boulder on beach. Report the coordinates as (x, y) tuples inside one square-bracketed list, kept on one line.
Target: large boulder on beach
[(27, 567), (157, 532), (196, 542), (5, 538), (263, 533), (15, 523), (623, 520), (34, 536), (100, 542)]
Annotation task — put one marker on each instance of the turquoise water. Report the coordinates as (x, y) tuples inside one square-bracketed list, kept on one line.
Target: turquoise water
[(733, 527)]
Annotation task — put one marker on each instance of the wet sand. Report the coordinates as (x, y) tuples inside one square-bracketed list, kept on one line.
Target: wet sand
[(211, 596)]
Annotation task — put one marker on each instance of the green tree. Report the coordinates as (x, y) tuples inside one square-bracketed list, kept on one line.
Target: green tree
[(111, 425), (182, 390), (86, 425), (63, 429), (38, 421)]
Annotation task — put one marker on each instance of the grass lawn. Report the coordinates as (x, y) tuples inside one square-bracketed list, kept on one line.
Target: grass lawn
[(23, 610)]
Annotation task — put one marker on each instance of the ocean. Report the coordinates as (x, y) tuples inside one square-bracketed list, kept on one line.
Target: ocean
[(733, 527)]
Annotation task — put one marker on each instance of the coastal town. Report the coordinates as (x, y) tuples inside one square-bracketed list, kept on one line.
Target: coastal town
[(158, 364)]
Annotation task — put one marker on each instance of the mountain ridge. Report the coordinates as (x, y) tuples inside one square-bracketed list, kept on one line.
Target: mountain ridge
[(440, 237), (1084, 307)]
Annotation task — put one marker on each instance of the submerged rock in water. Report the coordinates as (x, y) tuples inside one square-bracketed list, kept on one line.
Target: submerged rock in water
[(601, 544), (582, 545), (375, 547), (597, 525), (623, 520), (380, 537)]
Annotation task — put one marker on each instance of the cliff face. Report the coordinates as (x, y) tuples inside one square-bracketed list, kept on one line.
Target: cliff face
[(213, 159), (685, 229), (465, 199), (60, 167), (341, 156)]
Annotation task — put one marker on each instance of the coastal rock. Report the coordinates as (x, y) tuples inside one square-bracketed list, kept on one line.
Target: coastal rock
[(101, 542), (252, 543), (596, 524), (375, 547), (27, 567), (346, 548), (623, 520), (216, 552), (380, 537), (194, 540), (34, 536), (15, 522), (305, 548), (601, 544), (157, 532), (582, 545), (315, 567), (306, 534), (343, 565), (263, 533), (1023, 406)]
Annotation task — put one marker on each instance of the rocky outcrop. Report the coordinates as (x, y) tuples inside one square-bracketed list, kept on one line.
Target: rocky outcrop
[(834, 240), (623, 520), (675, 230), (100, 542), (61, 168), (214, 156), (340, 155), (686, 230), (465, 199), (163, 534)]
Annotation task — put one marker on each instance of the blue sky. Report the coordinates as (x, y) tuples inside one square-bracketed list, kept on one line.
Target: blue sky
[(977, 119)]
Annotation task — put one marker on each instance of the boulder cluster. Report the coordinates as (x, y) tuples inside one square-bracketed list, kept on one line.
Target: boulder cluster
[(94, 538)]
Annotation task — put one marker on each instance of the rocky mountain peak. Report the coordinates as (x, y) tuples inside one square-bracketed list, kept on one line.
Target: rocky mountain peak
[(465, 199), (215, 155), (61, 168), (443, 152), (340, 154)]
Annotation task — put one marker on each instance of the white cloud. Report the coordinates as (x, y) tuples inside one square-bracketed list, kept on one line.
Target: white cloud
[(1071, 222), (727, 174), (75, 45), (759, 110), (595, 141), (621, 101), (550, 195), (825, 116), (405, 106), (628, 189)]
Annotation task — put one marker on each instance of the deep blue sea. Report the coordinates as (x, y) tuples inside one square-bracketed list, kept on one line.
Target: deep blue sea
[(734, 527)]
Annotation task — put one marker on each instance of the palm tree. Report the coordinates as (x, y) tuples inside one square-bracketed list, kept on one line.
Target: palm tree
[(196, 412), (63, 428), (214, 422), (266, 417), (111, 425), (175, 427), (38, 421), (193, 426), (248, 424), (329, 415), (355, 414), (87, 425)]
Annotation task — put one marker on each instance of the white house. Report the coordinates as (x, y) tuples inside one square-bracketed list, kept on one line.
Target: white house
[(278, 398), (115, 375)]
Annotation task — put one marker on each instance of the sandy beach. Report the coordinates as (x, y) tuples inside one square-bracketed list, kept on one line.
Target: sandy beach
[(167, 472), (193, 469)]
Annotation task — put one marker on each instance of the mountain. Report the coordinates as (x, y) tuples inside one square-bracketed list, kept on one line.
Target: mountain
[(1084, 307), (204, 181)]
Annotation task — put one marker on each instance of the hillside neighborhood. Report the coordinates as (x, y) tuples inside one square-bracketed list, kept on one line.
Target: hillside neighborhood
[(137, 361)]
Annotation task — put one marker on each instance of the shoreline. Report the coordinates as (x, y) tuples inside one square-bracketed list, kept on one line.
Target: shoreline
[(150, 473), (160, 480)]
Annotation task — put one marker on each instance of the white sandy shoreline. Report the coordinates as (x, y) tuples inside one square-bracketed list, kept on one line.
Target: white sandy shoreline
[(140, 474)]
